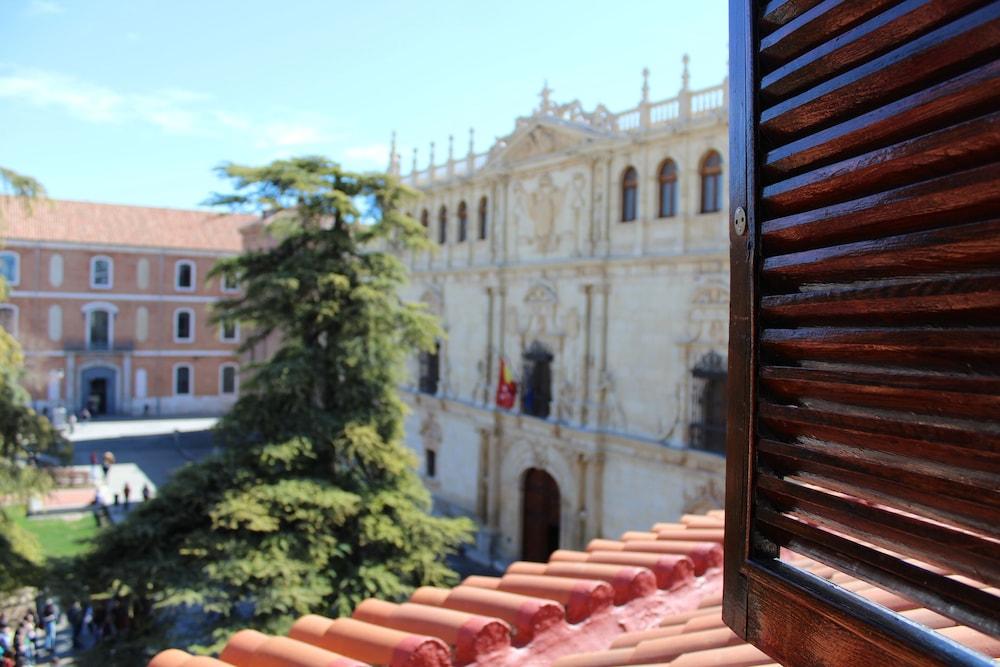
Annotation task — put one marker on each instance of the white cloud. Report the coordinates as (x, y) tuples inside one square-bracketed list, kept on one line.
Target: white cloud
[(44, 7), (173, 110)]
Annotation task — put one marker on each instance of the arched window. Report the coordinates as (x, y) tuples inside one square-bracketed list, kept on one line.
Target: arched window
[(183, 380), (102, 272), (227, 379), (184, 325), (184, 276), (630, 194), (10, 267), (425, 220), (483, 210), (536, 397), (667, 176), (8, 319), (100, 325), (711, 182), (443, 225), (463, 222)]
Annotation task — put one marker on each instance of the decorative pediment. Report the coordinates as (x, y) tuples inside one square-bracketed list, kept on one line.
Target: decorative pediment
[(539, 137)]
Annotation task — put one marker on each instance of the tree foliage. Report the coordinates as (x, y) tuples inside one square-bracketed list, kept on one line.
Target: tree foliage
[(313, 503), (24, 434)]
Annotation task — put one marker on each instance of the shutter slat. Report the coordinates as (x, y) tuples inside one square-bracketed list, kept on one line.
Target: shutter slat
[(963, 552), (899, 478), (934, 301), (972, 246), (904, 21), (964, 603), (965, 96), (777, 13), (938, 442), (954, 396), (816, 25), (959, 348), (956, 198), (915, 64), (951, 149)]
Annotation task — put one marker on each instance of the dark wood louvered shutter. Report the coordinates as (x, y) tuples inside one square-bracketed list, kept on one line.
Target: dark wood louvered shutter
[(864, 394)]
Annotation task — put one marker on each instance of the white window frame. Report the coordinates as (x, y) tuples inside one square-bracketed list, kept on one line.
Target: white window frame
[(177, 317), (93, 273), (236, 379), (236, 333), (228, 290), (16, 280), (88, 310), (173, 375), (15, 317), (144, 385), (177, 275)]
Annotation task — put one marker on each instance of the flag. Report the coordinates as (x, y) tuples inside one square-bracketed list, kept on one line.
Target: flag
[(506, 387)]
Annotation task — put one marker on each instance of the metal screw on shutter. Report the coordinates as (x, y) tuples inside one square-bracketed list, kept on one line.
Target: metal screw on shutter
[(740, 221)]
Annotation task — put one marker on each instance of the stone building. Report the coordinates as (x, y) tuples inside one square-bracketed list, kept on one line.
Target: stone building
[(589, 251), (112, 306)]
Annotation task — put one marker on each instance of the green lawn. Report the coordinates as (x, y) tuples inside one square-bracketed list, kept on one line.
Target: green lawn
[(57, 537)]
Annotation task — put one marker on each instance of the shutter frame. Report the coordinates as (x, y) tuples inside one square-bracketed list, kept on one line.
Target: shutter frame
[(796, 617)]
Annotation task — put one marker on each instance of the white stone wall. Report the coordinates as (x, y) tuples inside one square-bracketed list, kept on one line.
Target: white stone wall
[(627, 309)]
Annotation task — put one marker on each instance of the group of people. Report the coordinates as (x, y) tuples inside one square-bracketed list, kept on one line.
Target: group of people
[(22, 645)]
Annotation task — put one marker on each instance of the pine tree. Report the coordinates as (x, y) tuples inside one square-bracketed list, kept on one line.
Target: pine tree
[(313, 504)]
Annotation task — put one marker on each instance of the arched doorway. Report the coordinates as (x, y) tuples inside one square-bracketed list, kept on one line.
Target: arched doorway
[(539, 516), (99, 387)]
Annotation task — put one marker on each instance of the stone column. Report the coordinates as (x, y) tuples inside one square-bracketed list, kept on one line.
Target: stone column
[(587, 362), (602, 391), (489, 360), (71, 383), (127, 383)]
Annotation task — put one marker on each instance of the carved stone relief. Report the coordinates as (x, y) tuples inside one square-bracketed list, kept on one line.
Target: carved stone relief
[(542, 207), (709, 496)]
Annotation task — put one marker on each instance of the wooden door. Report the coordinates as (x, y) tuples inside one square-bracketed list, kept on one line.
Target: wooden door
[(864, 379), (540, 516)]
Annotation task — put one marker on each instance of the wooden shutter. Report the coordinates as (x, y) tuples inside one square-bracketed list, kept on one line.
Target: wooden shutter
[(865, 332)]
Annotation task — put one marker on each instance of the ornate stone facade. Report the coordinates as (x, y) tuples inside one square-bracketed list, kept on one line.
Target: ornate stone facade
[(625, 310)]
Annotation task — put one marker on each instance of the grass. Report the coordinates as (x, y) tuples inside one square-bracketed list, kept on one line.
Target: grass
[(58, 538)]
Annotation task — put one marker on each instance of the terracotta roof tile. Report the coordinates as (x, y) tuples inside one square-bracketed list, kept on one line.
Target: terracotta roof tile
[(63, 221), (627, 602)]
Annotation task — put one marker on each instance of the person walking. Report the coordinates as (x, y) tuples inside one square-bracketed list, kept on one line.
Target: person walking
[(147, 493), (126, 492), (75, 616), (49, 617), (109, 460)]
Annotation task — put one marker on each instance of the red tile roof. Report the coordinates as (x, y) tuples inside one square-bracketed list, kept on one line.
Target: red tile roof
[(651, 598), (64, 221)]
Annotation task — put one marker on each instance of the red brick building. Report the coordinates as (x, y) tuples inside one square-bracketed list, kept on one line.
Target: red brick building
[(112, 306)]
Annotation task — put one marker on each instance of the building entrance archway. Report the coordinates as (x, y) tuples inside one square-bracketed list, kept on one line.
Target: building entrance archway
[(540, 515), (98, 386)]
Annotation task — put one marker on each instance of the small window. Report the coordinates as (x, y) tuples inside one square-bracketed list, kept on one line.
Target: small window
[(443, 225), (430, 370), (55, 323), (56, 270), (227, 379), (430, 463), (667, 177), (101, 272), (463, 222), (229, 332), (142, 273), (141, 380), (182, 380), (425, 221), (10, 267), (483, 212), (141, 324), (630, 194), (711, 183), (230, 283), (184, 276), (8, 319), (184, 326)]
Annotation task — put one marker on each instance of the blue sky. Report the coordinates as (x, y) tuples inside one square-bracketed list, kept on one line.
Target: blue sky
[(136, 101)]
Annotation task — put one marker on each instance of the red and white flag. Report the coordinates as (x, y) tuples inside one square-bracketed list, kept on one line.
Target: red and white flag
[(506, 387)]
